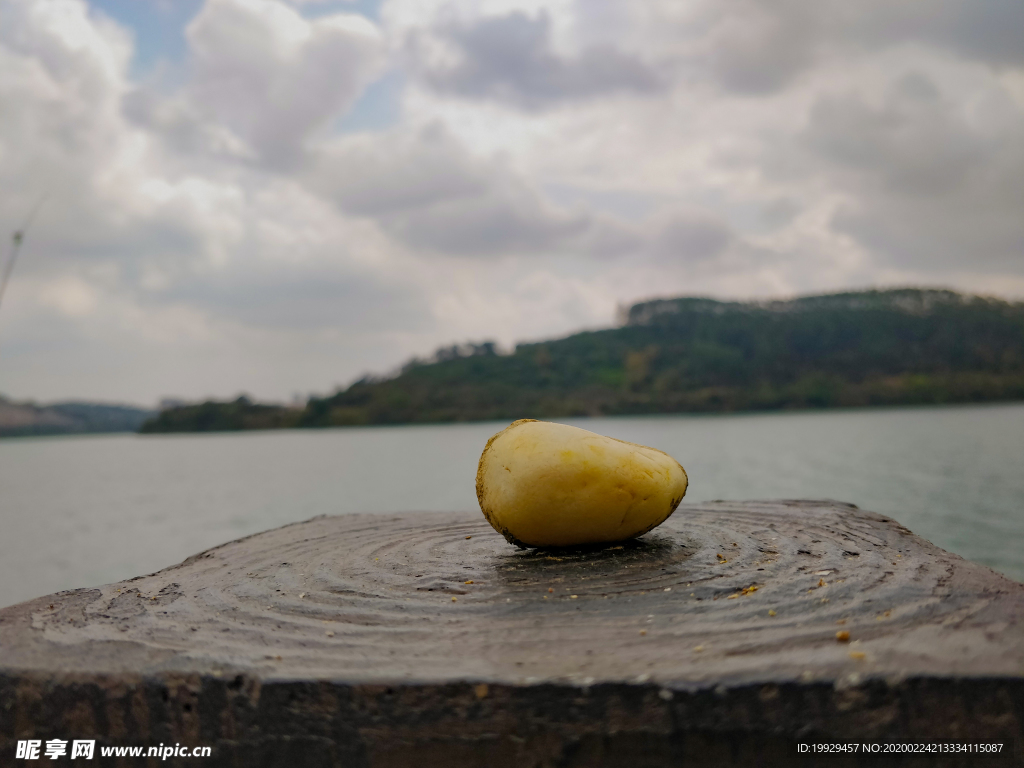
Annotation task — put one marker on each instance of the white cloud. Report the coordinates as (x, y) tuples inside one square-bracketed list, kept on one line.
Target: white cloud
[(275, 78), (159, 248), (212, 231)]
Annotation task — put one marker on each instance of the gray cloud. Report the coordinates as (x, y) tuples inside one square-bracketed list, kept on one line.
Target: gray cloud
[(742, 46), (185, 132), (303, 298), (930, 184), (510, 59), (690, 236), (391, 174), (757, 48), (983, 30), (509, 220), (425, 189)]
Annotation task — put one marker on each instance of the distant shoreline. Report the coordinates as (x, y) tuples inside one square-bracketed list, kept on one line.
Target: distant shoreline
[(428, 424), (624, 416), (28, 419), (795, 410)]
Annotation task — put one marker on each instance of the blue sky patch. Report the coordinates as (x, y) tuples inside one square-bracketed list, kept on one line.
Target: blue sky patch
[(377, 108), (159, 25)]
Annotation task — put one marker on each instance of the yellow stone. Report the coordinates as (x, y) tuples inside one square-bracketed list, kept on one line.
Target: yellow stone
[(541, 484)]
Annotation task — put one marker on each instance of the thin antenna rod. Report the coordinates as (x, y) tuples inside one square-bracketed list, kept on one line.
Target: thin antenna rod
[(16, 239)]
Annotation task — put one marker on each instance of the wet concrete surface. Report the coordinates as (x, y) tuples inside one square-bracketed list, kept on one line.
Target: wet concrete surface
[(724, 636)]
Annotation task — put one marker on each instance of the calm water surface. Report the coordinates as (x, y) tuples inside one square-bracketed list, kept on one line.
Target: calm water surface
[(85, 511)]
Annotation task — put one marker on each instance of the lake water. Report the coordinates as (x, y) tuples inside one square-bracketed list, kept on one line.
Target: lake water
[(84, 511)]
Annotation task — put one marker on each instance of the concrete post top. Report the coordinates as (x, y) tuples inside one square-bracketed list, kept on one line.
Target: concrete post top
[(722, 594)]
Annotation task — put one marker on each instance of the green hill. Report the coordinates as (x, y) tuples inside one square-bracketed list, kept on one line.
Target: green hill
[(25, 419), (894, 347)]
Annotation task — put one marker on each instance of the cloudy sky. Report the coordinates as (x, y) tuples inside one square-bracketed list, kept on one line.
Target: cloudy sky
[(276, 197)]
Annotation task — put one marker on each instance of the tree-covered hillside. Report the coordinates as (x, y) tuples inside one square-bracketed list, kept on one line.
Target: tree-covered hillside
[(692, 355)]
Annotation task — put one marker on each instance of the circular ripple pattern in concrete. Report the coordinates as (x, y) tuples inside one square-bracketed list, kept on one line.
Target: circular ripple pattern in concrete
[(723, 592), (728, 635)]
